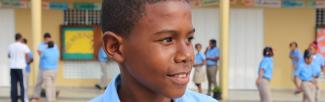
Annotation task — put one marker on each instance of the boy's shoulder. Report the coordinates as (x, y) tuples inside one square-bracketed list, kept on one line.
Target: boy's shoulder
[(191, 96)]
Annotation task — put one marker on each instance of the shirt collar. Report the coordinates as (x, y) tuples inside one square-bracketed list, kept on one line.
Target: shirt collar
[(112, 89)]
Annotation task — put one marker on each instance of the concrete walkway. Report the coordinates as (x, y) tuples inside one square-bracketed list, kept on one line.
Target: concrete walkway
[(68, 94)]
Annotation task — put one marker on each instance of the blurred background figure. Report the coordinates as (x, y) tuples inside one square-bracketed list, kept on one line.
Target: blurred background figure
[(265, 72), (18, 54), (199, 62), (296, 59), (103, 61), (212, 58), (319, 61), (49, 59), (27, 72), (306, 76)]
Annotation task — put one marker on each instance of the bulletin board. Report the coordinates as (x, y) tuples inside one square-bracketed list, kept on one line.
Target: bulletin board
[(320, 38), (79, 42), (320, 34)]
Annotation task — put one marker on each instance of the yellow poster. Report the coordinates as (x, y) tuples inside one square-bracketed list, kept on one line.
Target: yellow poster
[(79, 41)]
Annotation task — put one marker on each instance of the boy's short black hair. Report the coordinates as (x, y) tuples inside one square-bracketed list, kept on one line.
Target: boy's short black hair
[(50, 44), (120, 16), (213, 42), (25, 41), (47, 35), (293, 43), (307, 54), (197, 45), (268, 52), (18, 36)]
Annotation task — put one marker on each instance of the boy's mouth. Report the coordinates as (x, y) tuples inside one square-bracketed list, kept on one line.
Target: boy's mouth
[(179, 79)]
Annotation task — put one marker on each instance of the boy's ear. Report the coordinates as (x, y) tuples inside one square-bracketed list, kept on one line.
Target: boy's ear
[(113, 46)]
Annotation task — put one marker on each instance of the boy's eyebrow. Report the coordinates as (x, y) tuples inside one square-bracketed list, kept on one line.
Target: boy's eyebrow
[(174, 32)]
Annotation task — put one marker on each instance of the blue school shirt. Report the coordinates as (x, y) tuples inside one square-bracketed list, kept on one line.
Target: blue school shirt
[(111, 95), (199, 58), (49, 59), (102, 57), (267, 65), (296, 53), (305, 72), (318, 60), (212, 53), (42, 46), (28, 65)]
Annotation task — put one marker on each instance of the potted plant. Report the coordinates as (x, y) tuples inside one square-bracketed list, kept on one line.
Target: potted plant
[(217, 92)]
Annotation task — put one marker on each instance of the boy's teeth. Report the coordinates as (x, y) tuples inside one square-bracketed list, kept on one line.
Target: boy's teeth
[(181, 75)]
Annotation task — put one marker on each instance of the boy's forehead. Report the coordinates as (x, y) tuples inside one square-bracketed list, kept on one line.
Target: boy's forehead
[(167, 8)]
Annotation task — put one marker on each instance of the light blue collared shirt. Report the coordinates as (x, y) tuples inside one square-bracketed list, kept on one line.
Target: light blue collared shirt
[(111, 95), (306, 72), (49, 58), (102, 57), (318, 60), (28, 65), (212, 53), (199, 58), (267, 65), (296, 54)]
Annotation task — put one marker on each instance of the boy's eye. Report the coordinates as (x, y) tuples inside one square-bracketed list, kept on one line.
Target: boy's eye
[(167, 40), (189, 39)]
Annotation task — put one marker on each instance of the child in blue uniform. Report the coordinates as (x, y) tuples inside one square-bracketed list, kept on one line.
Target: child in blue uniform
[(199, 62), (212, 58), (296, 58), (305, 74), (265, 75), (319, 61)]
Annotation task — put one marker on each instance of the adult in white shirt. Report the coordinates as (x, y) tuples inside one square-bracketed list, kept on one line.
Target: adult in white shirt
[(18, 54)]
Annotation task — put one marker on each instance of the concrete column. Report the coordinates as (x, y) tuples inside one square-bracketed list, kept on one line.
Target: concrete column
[(224, 46), (37, 36)]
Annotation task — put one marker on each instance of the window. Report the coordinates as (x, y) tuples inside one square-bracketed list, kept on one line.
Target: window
[(81, 17)]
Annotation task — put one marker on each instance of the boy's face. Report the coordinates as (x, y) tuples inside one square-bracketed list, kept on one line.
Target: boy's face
[(292, 47), (198, 47), (158, 54), (308, 60), (313, 50), (47, 39)]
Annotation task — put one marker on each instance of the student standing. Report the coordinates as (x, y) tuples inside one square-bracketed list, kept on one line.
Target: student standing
[(47, 74), (265, 71), (319, 61), (103, 61), (305, 74), (18, 54), (151, 40), (212, 58), (199, 62), (27, 72), (296, 58)]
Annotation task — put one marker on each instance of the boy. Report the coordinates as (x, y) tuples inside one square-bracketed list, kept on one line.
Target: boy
[(265, 75), (103, 61), (151, 42), (49, 58), (18, 54), (295, 57), (305, 74), (319, 61), (27, 72), (212, 57), (199, 62)]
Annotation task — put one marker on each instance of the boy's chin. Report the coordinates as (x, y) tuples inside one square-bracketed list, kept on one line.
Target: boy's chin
[(176, 93)]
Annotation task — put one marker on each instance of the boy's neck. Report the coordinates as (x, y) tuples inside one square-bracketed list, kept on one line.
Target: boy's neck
[(132, 91)]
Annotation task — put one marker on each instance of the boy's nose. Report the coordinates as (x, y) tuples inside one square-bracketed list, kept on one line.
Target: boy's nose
[(184, 53)]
